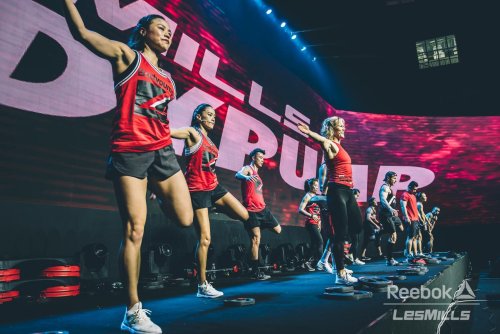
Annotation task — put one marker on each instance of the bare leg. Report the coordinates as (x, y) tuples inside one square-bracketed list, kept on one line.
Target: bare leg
[(174, 197), (419, 238), (204, 242), (255, 237), (131, 197), (232, 207), (409, 245)]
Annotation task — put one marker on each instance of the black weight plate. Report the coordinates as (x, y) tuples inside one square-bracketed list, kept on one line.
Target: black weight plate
[(374, 288), (374, 281), (239, 301), (355, 295), (340, 288)]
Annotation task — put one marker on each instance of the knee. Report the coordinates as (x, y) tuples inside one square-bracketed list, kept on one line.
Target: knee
[(245, 216), (205, 240), (135, 232), (185, 218), (256, 240)]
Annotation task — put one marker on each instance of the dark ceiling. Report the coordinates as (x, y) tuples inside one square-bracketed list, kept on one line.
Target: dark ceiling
[(367, 48)]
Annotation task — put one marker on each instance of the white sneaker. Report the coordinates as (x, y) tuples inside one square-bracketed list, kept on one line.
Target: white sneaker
[(136, 320), (326, 266), (349, 271), (359, 262), (260, 275), (206, 290), (345, 279), (392, 262), (308, 266)]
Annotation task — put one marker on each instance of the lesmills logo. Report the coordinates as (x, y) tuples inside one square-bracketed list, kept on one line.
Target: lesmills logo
[(429, 303)]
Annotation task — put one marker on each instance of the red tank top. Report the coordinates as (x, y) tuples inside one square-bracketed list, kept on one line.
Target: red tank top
[(251, 191), (340, 168), (140, 122), (313, 209), (200, 165)]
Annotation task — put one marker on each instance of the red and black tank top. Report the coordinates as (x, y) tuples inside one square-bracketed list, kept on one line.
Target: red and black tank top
[(251, 191), (340, 168), (142, 93), (313, 209), (200, 165)]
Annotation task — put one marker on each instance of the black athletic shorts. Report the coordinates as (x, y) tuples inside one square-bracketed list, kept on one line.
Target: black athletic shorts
[(370, 232), (388, 222), (207, 199), (262, 219), (412, 228), (160, 164)]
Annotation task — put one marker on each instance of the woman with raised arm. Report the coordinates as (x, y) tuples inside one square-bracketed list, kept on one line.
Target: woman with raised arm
[(342, 205), (201, 155), (141, 145)]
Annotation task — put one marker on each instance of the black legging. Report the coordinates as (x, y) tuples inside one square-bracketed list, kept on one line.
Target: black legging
[(355, 243), (346, 218), (316, 241)]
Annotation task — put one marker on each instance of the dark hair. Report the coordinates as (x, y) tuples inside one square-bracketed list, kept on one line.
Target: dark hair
[(255, 151), (389, 174), (198, 110), (308, 184), (355, 191), (419, 195), (136, 40), (412, 185), (371, 201)]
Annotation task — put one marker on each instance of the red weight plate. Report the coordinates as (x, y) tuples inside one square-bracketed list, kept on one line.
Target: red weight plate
[(61, 274), (9, 272), (9, 278), (59, 294), (9, 294), (62, 288), (62, 268)]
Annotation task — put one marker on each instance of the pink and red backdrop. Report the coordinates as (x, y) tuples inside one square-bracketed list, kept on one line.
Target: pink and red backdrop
[(57, 102)]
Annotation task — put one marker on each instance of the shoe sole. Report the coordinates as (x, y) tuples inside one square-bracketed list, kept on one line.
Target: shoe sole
[(206, 296), (345, 283)]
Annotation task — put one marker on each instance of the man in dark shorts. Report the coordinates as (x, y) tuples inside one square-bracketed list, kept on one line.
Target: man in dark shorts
[(410, 217), (388, 215), (253, 200), (372, 229)]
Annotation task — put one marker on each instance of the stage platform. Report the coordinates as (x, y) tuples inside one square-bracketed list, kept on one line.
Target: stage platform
[(291, 303)]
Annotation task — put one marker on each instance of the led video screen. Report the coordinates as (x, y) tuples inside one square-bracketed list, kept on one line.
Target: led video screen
[(57, 104)]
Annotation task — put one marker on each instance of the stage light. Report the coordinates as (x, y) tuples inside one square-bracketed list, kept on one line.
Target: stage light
[(303, 48), (269, 11), (314, 58), (283, 24), (294, 36)]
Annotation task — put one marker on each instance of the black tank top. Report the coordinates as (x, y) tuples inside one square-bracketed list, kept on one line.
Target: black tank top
[(391, 199)]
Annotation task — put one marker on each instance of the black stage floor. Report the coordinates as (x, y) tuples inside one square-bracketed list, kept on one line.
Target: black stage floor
[(291, 303)]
